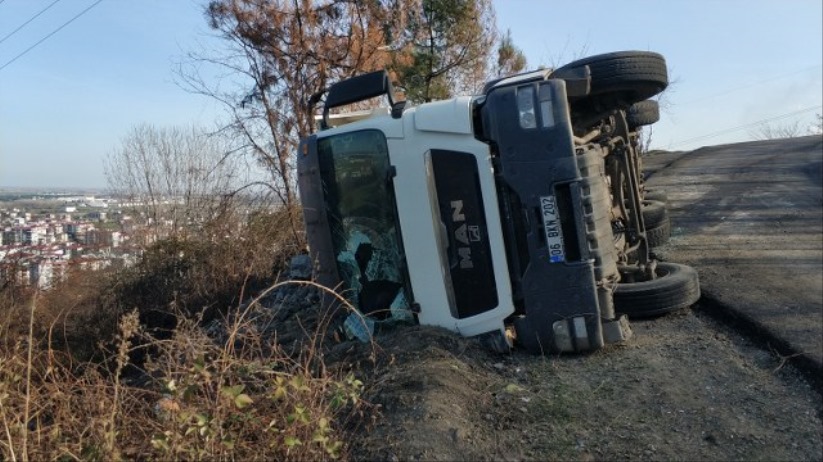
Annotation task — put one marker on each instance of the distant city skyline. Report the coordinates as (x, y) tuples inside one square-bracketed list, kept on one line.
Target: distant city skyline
[(67, 190), (66, 102)]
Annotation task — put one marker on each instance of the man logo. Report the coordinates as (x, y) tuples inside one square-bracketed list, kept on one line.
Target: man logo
[(462, 234), (474, 233)]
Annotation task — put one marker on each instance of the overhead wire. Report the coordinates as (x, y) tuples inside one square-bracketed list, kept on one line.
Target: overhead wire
[(759, 122), (748, 125), (27, 22), (751, 85), (50, 34)]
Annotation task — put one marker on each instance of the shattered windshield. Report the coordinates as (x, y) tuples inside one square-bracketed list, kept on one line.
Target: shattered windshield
[(361, 209)]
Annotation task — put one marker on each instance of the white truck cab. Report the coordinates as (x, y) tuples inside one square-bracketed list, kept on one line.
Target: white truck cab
[(473, 213), (411, 207)]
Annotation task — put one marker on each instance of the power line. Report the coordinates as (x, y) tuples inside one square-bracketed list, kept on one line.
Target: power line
[(746, 87), (30, 20), (52, 33), (752, 124)]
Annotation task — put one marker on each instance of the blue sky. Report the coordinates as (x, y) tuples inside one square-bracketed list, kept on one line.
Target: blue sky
[(67, 102)]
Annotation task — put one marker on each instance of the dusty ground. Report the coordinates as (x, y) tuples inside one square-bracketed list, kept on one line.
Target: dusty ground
[(683, 389)]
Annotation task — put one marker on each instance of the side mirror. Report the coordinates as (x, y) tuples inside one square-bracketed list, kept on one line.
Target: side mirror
[(358, 89), (578, 80)]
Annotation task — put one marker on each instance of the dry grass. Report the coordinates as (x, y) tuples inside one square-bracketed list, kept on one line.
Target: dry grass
[(87, 372), (242, 399)]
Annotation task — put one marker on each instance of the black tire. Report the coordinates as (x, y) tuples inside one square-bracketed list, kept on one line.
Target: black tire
[(632, 76), (654, 214), (676, 287), (660, 234), (657, 195), (642, 113)]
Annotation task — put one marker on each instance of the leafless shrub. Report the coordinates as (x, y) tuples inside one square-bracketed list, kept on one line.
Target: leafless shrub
[(175, 175), (239, 398), (775, 132), (817, 127), (644, 139)]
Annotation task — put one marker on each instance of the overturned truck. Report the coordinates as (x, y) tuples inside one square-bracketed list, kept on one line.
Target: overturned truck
[(517, 215)]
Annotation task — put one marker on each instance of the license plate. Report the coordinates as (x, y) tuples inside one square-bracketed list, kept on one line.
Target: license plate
[(552, 230)]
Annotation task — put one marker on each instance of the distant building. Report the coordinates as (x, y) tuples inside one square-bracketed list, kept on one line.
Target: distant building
[(60, 236), (70, 229), (96, 216), (46, 273), (94, 264), (11, 236), (94, 237), (116, 239), (34, 235), (77, 231)]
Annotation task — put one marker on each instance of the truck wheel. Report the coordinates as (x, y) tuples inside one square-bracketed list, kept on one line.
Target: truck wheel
[(633, 76), (642, 113), (654, 214), (658, 224), (676, 287), (657, 195), (660, 234)]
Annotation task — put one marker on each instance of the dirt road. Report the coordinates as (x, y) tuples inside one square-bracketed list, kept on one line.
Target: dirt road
[(749, 217), (688, 386)]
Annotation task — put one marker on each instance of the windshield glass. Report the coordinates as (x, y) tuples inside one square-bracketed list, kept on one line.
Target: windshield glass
[(360, 202)]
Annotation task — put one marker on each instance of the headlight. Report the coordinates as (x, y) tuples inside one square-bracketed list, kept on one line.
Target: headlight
[(525, 107), (546, 106)]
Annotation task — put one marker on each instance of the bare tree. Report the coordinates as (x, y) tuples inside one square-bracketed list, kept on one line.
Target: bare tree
[(773, 132), (178, 175), (816, 128), (644, 139), (280, 58)]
